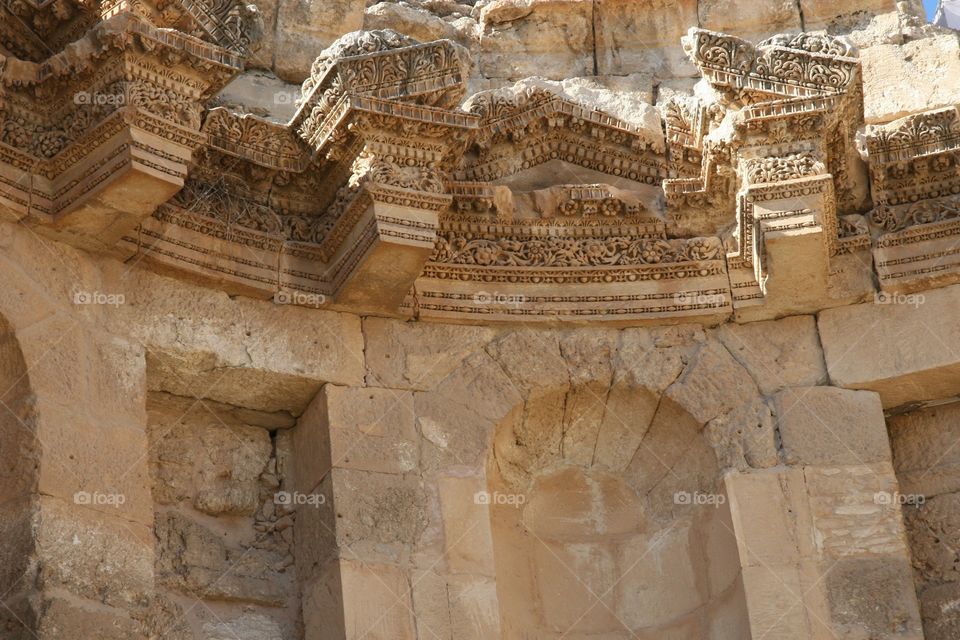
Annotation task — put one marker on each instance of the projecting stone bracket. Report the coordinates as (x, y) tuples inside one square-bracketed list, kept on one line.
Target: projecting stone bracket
[(394, 239)]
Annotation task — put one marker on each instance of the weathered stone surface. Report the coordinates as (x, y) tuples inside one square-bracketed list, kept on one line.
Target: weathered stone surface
[(901, 351), (235, 350), (939, 611), (750, 21), (830, 426), (304, 29), (205, 457), (643, 37), (550, 38), (777, 353), (414, 355), (712, 384), (922, 441), (873, 597), (900, 79)]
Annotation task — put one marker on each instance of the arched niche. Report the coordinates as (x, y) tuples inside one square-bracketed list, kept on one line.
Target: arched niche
[(622, 531)]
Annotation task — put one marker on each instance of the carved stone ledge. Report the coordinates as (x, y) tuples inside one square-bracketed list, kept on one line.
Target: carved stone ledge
[(916, 193), (93, 143)]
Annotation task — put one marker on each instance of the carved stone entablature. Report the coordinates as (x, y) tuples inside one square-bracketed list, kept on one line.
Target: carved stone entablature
[(785, 126), (35, 29), (915, 168), (96, 137), (524, 127)]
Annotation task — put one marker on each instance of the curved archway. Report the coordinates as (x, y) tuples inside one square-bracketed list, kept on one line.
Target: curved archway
[(622, 531)]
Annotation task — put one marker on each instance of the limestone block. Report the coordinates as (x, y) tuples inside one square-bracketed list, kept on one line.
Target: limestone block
[(777, 353), (924, 455), (262, 94), (205, 457), (712, 384), (831, 426), (201, 342), (417, 355), (547, 372), (769, 514), (659, 579), (916, 76), (307, 27), (86, 552), (856, 511), (643, 37), (379, 515), (371, 429), (624, 424), (750, 20), (668, 441), (549, 38), (431, 608), (775, 602), (474, 610), (577, 585), (571, 505), (746, 437), (376, 602), (873, 598), (466, 525), (867, 347)]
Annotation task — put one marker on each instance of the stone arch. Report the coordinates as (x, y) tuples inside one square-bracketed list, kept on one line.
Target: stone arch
[(19, 481), (608, 509)]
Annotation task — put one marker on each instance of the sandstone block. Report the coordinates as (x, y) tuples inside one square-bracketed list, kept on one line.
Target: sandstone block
[(769, 513), (376, 601), (577, 585), (873, 597), (777, 353), (831, 426), (941, 619), (775, 601)]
